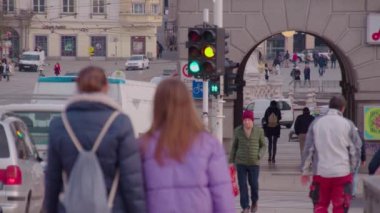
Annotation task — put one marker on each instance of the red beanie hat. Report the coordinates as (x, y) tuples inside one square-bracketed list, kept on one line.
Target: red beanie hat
[(248, 114)]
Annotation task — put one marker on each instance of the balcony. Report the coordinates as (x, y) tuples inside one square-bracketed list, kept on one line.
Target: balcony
[(17, 13)]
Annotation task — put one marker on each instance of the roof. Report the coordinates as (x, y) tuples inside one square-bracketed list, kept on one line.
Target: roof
[(31, 107), (69, 79)]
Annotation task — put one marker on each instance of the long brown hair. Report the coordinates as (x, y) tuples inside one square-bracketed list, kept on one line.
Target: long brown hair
[(175, 116)]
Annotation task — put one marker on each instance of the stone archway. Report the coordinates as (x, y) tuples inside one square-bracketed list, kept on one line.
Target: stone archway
[(347, 83), (341, 23)]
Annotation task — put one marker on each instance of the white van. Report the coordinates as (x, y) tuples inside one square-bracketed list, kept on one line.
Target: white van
[(31, 61), (259, 106), (135, 97)]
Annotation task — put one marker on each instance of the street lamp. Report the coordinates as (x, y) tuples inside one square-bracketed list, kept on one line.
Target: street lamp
[(288, 34)]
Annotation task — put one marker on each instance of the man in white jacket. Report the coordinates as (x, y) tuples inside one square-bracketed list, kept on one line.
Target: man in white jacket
[(332, 152)]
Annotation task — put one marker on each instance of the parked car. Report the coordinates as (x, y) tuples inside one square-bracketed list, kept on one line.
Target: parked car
[(37, 118), (21, 173), (309, 53), (259, 107), (137, 62)]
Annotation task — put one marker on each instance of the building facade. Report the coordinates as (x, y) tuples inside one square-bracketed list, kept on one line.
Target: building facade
[(110, 28), (341, 24)]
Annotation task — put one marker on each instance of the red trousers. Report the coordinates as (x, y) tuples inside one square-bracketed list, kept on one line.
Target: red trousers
[(336, 190)]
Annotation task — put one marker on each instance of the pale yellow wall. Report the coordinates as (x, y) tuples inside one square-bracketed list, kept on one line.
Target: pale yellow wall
[(310, 41)]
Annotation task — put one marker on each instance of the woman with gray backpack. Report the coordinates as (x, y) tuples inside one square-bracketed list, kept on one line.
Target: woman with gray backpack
[(272, 128), (93, 145)]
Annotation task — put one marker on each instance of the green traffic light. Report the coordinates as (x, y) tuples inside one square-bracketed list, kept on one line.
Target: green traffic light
[(214, 88), (194, 67)]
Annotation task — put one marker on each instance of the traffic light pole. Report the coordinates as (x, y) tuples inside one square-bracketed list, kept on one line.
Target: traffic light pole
[(205, 81), (218, 21)]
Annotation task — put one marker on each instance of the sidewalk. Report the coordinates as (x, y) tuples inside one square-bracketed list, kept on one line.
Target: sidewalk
[(280, 187)]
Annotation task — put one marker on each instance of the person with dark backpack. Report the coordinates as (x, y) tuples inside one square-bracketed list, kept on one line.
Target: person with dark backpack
[(271, 124), (93, 145)]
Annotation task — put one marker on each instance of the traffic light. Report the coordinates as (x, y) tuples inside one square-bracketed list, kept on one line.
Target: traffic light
[(214, 87), (230, 84), (205, 52)]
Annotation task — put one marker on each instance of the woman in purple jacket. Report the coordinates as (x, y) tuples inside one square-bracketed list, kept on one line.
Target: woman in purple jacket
[(185, 168)]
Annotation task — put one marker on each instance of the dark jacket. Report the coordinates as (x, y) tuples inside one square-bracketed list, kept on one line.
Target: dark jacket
[(272, 131), (302, 123), (375, 163), (119, 149)]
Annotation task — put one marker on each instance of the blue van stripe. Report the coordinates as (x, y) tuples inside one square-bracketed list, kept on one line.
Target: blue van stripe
[(69, 79)]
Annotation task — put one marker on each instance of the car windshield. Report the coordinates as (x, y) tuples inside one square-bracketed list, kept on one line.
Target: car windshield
[(4, 150), (282, 105), (38, 124), (30, 57), (135, 58)]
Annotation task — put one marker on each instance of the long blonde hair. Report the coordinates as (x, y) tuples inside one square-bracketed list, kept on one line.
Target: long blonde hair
[(175, 117)]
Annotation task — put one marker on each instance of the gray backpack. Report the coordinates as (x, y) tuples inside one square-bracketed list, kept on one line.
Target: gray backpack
[(86, 189)]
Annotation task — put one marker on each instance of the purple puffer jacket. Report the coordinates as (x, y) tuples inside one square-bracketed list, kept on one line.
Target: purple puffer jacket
[(201, 183)]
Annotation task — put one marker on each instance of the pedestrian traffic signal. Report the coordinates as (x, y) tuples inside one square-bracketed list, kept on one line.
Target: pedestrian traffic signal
[(230, 83), (205, 52), (214, 87)]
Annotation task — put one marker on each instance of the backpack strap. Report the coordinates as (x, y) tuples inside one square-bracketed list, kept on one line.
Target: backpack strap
[(70, 131), (104, 130)]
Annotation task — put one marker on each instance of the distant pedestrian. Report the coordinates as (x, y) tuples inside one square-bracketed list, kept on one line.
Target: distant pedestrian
[(374, 165), (272, 129), (4, 70), (248, 148), (185, 167), (266, 72), (296, 77), (315, 58), (322, 62), (287, 57), (85, 117), (332, 151), (333, 60), (295, 58), (57, 69), (276, 61), (302, 125), (277, 70), (306, 74)]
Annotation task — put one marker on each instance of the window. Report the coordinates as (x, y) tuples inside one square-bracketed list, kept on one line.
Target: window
[(98, 6), (68, 6), (4, 149), (68, 46), (39, 6), (24, 151), (9, 6), (155, 9), (99, 44), (138, 45), (41, 43), (138, 8)]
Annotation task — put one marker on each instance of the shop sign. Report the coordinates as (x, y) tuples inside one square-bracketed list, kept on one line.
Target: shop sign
[(373, 28)]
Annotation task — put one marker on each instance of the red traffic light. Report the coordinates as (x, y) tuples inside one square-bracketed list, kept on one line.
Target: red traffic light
[(194, 35)]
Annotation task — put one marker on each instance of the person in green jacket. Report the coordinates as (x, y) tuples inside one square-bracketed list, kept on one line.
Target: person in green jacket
[(248, 149)]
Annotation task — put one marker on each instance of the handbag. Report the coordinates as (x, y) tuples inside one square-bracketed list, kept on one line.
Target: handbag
[(235, 188)]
